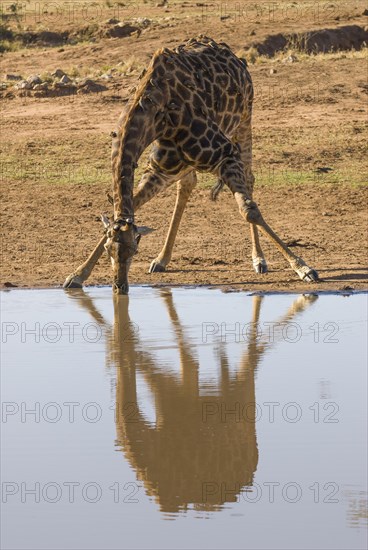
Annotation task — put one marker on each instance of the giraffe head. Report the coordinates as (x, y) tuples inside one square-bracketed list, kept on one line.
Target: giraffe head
[(121, 245)]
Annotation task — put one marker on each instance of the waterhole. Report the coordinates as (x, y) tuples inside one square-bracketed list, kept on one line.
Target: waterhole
[(183, 418)]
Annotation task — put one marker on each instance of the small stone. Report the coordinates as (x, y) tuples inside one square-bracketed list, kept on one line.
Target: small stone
[(273, 71), (107, 76), (121, 30), (24, 85), (112, 21), (65, 79), (143, 21), (89, 86), (43, 86), (34, 79), (58, 73), (290, 59), (13, 77), (323, 170)]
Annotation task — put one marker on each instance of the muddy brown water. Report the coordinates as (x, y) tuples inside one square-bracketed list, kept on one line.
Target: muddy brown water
[(183, 418)]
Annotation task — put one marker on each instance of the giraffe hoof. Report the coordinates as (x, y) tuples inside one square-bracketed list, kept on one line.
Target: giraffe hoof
[(311, 276), (260, 265), (156, 267), (73, 281)]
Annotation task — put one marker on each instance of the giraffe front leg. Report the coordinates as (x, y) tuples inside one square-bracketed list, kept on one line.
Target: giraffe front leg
[(185, 188), (232, 172), (81, 274), (153, 181)]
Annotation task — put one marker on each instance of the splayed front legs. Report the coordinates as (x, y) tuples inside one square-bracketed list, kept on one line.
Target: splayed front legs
[(232, 172)]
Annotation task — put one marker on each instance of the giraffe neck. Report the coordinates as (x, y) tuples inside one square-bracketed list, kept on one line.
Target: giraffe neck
[(143, 123), (135, 135)]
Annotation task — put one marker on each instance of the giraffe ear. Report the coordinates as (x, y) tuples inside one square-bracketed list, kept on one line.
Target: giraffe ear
[(144, 230), (105, 220)]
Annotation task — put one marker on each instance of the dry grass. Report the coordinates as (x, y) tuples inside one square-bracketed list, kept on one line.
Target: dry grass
[(255, 58)]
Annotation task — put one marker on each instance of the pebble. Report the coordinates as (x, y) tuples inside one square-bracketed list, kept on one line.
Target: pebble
[(112, 21), (13, 77), (143, 21), (290, 59), (34, 79), (59, 73), (42, 86), (65, 79), (24, 85)]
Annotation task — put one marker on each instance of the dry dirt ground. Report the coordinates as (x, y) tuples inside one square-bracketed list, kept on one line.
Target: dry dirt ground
[(310, 117)]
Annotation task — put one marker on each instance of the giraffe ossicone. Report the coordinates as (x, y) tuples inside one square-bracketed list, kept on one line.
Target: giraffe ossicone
[(194, 106)]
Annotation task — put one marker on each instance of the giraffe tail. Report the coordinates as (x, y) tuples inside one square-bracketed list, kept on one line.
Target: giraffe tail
[(216, 189)]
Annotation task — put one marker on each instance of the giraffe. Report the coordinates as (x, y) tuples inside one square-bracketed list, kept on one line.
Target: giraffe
[(196, 453), (194, 106)]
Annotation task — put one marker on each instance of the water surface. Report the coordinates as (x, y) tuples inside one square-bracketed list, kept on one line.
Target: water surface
[(184, 418)]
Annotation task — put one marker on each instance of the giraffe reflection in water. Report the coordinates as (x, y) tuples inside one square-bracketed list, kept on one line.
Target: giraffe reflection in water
[(198, 454)]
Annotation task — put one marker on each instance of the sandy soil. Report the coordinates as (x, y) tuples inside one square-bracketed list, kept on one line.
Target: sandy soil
[(309, 114), (213, 246)]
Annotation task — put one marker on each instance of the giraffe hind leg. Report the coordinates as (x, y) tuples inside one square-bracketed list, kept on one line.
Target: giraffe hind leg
[(232, 172), (243, 139), (249, 210), (258, 260)]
